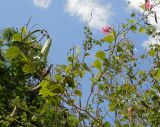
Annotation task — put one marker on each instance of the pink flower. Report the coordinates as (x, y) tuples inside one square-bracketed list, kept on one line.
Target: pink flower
[(147, 5), (106, 30)]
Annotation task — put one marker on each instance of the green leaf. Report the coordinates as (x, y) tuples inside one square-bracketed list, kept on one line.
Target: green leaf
[(107, 124), (87, 54), (24, 58), (57, 89), (44, 83), (70, 59), (142, 30), (133, 28), (152, 52), (125, 25), (16, 37), (1, 42), (142, 6), (78, 50), (101, 55), (157, 76), (132, 21), (1, 64), (119, 49), (133, 15), (97, 77), (13, 52), (97, 64), (45, 92), (112, 106), (109, 38), (28, 68), (70, 82), (78, 93), (23, 30), (85, 66)]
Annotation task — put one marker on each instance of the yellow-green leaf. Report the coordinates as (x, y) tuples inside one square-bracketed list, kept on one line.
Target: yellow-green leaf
[(16, 37), (142, 30), (109, 38), (44, 83), (101, 55), (23, 30), (13, 52), (78, 93), (45, 92), (152, 52), (97, 77), (97, 64), (157, 76), (78, 50), (28, 68), (112, 106), (132, 21)]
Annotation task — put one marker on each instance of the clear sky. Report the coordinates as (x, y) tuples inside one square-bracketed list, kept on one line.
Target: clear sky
[(65, 19)]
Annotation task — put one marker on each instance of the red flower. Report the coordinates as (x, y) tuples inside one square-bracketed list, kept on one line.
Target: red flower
[(147, 5), (106, 30)]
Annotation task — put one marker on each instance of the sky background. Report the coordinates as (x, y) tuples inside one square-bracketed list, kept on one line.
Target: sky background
[(65, 19)]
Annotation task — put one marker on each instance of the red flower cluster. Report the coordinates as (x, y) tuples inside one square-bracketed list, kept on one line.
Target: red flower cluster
[(106, 30), (148, 5)]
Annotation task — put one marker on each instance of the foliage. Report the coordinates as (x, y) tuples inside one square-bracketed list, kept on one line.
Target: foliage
[(123, 90), (22, 66)]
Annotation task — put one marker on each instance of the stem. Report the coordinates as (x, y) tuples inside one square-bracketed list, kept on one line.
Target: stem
[(35, 31), (13, 112)]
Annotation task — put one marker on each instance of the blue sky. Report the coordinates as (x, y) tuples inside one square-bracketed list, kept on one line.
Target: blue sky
[(65, 19)]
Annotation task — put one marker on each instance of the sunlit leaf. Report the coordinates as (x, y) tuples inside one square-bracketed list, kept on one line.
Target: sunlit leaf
[(28, 68), (23, 30), (97, 64), (142, 30), (45, 92), (97, 77), (13, 52), (132, 21), (101, 55), (112, 106), (44, 83), (17, 37), (109, 38), (152, 52), (78, 50), (157, 76)]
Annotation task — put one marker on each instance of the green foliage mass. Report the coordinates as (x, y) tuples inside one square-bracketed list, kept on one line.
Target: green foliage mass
[(21, 68)]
